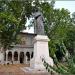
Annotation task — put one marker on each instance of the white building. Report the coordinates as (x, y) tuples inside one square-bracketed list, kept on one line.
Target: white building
[(22, 52)]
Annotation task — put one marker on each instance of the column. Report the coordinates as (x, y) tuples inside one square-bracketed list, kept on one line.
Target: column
[(6, 57), (24, 58), (30, 57)]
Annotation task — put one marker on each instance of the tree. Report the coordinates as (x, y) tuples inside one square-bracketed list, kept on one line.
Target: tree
[(60, 28), (13, 15), (12, 20), (58, 23)]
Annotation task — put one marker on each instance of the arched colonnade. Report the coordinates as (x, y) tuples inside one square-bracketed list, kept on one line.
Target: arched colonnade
[(17, 57)]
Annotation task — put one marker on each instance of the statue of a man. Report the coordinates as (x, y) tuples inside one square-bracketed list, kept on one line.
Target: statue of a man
[(39, 26)]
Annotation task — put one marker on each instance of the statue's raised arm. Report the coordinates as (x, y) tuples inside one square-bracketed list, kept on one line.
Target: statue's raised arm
[(39, 25)]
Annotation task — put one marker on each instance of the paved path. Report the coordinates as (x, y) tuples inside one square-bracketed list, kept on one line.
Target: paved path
[(15, 70), (11, 69)]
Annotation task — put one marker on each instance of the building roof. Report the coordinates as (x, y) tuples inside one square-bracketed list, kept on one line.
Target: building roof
[(27, 33)]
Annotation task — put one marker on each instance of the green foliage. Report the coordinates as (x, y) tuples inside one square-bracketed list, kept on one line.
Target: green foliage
[(13, 15), (67, 68), (59, 27), (70, 40)]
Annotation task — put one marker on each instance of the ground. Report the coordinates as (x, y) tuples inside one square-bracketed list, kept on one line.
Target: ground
[(16, 70)]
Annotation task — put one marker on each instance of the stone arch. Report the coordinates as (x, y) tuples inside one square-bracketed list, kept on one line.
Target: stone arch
[(15, 56), (28, 56), (21, 57), (9, 56)]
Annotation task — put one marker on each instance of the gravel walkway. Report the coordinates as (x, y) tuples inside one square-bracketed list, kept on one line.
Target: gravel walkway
[(16, 70)]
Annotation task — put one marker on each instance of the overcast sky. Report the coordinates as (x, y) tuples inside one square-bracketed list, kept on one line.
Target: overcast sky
[(68, 4)]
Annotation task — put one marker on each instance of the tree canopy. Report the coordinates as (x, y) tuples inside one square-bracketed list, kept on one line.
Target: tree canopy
[(59, 25), (13, 15)]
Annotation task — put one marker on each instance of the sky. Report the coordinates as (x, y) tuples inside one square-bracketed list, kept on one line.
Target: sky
[(68, 4)]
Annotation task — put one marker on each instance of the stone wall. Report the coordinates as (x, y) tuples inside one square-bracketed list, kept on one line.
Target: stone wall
[(26, 39)]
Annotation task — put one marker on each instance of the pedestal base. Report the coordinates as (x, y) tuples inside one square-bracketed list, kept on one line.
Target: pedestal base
[(30, 71), (40, 51), (38, 64)]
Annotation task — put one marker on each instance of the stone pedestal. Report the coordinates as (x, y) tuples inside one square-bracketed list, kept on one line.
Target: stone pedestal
[(40, 50)]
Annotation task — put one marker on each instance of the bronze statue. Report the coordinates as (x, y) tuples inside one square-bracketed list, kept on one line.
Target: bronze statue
[(39, 25)]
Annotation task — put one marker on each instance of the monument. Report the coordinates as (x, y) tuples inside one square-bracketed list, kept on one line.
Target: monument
[(38, 23), (40, 45)]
